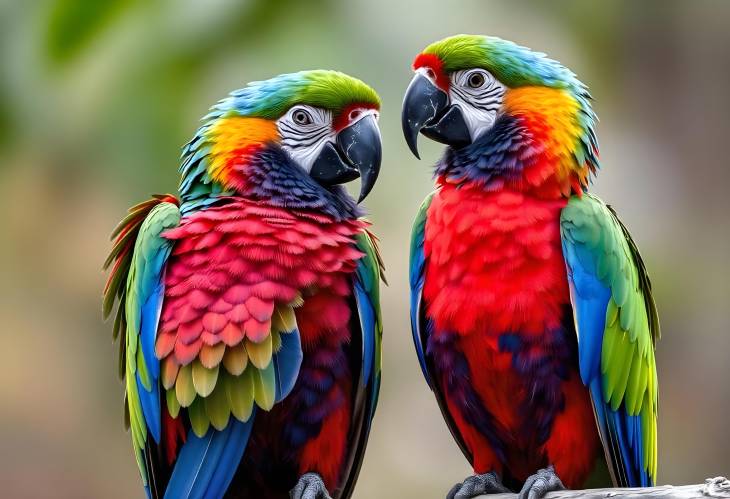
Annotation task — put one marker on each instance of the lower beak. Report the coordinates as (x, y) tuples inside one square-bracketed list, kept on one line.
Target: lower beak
[(356, 152), (426, 109)]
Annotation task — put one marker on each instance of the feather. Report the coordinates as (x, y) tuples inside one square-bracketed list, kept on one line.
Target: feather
[(231, 456), (283, 319), (621, 321), (206, 464), (240, 393), (199, 421), (260, 353), (149, 401), (173, 406), (416, 278), (184, 389), (235, 359), (367, 323), (169, 372), (211, 355), (287, 362), (217, 408), (204, 379), (275, 341), (264, 381)]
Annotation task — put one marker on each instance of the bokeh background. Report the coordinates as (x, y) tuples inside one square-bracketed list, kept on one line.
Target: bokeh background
[(97, 97)]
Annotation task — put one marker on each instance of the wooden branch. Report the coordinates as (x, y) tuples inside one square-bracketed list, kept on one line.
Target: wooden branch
[(713, 487)]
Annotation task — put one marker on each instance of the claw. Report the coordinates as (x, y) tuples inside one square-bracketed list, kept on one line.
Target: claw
[(476, 485), (309, 486), (539, 484)]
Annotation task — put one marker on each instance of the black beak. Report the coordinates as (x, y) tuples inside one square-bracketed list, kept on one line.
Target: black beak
[(356, 153), (426, 109)]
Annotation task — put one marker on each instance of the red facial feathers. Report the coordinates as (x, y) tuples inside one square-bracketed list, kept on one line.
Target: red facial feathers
[(350, 114), (435, 67)]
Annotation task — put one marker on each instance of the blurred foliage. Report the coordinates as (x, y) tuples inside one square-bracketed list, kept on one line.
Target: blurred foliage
[(96, 99), (74, 24)]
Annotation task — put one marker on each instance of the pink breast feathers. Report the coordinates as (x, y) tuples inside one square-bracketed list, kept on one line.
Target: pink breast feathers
[(232, 265)]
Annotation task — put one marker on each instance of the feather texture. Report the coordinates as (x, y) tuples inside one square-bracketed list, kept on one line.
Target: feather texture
[(232, 303), (617, 326), (140, 254), (206, 464)]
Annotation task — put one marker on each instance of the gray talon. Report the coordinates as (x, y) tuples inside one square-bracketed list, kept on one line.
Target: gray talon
[(539, 484), (309, 486), (476, 485)]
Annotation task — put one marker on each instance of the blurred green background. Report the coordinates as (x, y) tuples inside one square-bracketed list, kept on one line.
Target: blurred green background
[(96, 98)]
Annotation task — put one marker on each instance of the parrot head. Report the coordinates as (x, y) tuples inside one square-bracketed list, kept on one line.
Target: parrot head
[(284, 138), (472, 90)]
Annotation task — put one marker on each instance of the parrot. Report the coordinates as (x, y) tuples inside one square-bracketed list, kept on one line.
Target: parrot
[(532, 312), (248, 309)]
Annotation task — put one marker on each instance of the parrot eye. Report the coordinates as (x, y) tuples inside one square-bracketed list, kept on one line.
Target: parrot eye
[(476, 80), (301, 117)]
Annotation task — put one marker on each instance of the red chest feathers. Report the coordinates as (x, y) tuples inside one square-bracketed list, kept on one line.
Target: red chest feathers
[(495, 262)]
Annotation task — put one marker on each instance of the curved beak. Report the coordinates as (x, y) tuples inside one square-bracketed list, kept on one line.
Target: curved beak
[(356, 152), (426, 109)]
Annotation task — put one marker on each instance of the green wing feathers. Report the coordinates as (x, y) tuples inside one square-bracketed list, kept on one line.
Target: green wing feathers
[(139, 255), (617, 326)]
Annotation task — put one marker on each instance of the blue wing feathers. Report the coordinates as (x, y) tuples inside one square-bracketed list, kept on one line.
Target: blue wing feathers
[(148, 328), (206, 466), (153, 289), (367, 322), (188, 465), (366, 292), (416, 294), (150, 402), (232, 453), (590, 299), (416, 278), (287, 362)]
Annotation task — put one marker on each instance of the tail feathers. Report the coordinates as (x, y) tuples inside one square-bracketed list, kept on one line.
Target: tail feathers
[(206, 466)]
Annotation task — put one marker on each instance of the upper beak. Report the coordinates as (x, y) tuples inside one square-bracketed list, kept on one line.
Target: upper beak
[(356, 152), (426, 109)]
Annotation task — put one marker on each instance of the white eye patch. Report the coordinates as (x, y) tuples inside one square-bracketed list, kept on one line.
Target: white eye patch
[(304, 130), (478, 95)]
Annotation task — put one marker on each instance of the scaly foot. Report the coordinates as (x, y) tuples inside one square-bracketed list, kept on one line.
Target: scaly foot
[(476, 485), (309, 486), (539, 484)]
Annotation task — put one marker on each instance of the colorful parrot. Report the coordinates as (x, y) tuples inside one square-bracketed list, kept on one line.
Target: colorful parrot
[(249, 307), (532, 312)]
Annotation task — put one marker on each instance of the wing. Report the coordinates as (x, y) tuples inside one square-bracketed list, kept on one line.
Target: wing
[(420, 324), (228, 340), (617, 326), (139, 255), (366, 286), (416, 278), (199, 361)]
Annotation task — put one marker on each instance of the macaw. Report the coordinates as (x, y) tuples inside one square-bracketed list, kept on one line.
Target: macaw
[(249, 304), (531, 309)]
